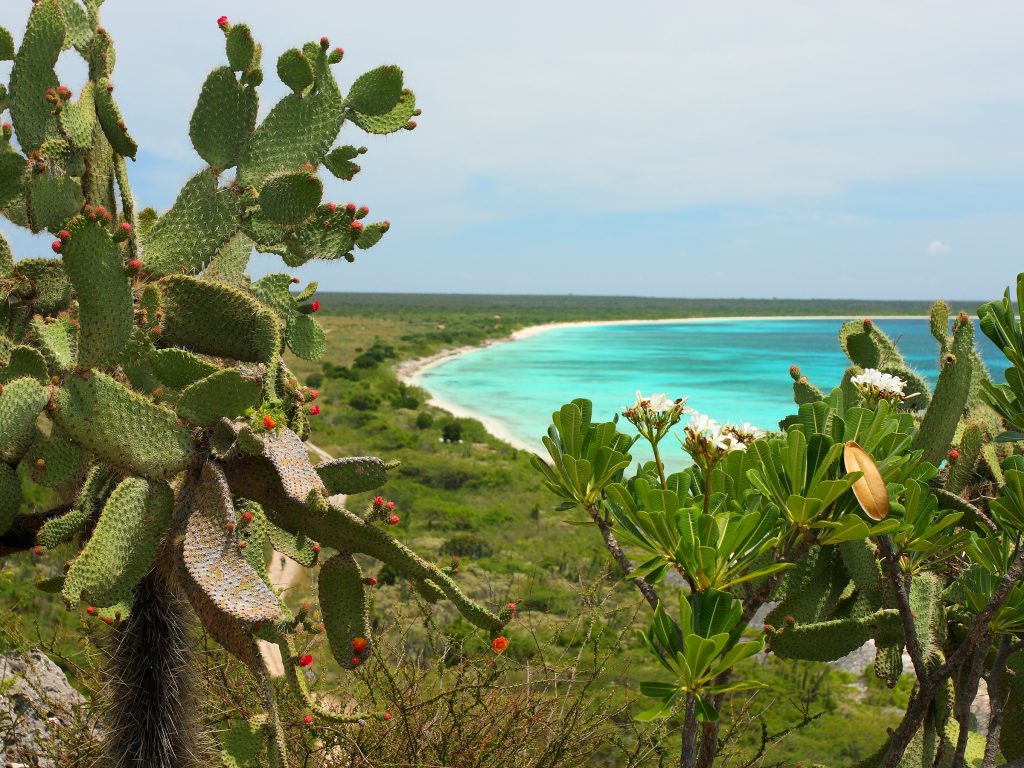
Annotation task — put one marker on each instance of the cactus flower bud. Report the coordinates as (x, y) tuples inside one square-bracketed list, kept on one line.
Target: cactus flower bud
[(56, 245), (385, 225), (222, 21), (363, 212), (391, 505), (373, 581), (351, 207), (325, 42), (308, 719), (316, 547), (357, 226), (387, 715), (378, 501), (393, 520), (269, 423), (512, 607), (789, 620), (499, 644), (868, 322), (126, 226), (306, 661), (314, 394), (38, 551), (954, 454), (64, 235), (135, 264), (247, 516), (308, 166), (8, 130), (411, 125), (359, 644), (332, 207), (314, 410), (356, 661), (91, 610), (336, 55), (315, 306)]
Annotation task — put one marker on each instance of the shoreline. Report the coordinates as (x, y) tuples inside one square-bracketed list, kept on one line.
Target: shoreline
[(410, 371)]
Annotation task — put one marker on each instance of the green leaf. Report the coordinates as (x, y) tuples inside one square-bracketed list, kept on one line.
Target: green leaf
[(223, 119), (291, 198), (376, 92), (295, 70), (241, 48)]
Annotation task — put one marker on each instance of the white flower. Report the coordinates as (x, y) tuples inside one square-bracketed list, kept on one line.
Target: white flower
[(874, 382), (747, 432)]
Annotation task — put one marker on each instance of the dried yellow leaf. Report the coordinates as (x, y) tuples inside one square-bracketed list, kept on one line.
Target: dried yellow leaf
[(870, 488)]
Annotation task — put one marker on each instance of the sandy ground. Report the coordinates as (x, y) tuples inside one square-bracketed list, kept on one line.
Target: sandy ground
[(411, 371)]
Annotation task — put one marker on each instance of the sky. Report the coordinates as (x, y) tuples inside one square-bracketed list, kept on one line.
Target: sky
[(736, 149)]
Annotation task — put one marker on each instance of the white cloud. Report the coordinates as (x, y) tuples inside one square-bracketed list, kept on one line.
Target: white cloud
[(938, 248)]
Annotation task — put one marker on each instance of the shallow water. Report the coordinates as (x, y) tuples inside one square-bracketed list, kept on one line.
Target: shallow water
[(733, 370)]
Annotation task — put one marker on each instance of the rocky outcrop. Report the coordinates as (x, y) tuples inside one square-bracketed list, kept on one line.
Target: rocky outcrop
[(36, 701)]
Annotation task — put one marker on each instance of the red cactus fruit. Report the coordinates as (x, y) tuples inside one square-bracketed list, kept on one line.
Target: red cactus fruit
[(316, 547), (359, 644), (351, 207), (247, 516), (339, 52), (868, 322), (387, 715), (126, 226), (222, 21), (391, 505), (315, 306), (378, 501), (357, 226), (135, 264), (356, 661), (308, 166), (314, 410), (332, 207), (308, 719), (393, 520), (954, 454), (91, 610), (64, 235), (373, 581), (325, 42), (306, 661), (37, 551), (57, 245)]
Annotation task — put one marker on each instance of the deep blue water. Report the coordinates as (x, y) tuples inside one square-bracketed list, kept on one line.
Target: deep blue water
[(733, 370)]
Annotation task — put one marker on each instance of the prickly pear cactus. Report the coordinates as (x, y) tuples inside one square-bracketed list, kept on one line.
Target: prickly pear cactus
[(142, 385)]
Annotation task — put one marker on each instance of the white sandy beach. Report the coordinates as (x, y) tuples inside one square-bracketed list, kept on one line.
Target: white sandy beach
[(411, 371)]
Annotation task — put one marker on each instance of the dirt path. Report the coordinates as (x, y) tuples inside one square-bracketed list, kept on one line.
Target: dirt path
[(283, 574)]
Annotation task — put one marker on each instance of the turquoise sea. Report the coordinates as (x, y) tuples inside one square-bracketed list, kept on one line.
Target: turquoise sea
[(733, 370)]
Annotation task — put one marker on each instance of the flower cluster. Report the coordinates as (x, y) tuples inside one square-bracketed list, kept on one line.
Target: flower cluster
[(708, 441), (653, 416), (874, 385)]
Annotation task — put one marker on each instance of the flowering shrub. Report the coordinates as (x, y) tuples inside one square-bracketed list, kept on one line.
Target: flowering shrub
[(880, 510)]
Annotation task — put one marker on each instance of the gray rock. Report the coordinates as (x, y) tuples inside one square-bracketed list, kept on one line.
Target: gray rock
[(35, 701)]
